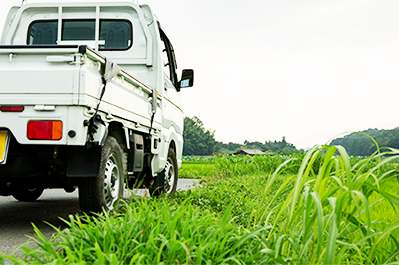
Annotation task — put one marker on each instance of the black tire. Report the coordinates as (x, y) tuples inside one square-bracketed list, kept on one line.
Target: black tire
[(103, 192), (166, 181), (27, 194)]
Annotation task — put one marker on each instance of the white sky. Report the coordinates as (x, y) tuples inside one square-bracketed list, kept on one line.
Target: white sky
[(308, 70)]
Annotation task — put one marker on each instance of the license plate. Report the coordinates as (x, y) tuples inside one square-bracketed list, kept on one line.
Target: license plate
[(4, 143)]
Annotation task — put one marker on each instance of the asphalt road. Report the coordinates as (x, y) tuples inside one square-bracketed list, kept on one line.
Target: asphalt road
[(16, 217)]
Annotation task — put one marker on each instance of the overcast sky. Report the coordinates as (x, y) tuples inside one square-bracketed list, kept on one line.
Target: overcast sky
[(308, 70)]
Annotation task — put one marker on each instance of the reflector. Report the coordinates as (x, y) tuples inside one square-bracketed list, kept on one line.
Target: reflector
[(11, 108), (44, 130)]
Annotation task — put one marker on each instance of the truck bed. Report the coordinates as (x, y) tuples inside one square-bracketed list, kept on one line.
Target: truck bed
[(48, 81)]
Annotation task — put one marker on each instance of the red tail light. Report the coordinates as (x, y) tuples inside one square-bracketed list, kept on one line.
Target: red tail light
[(44, 130), (11, 108)]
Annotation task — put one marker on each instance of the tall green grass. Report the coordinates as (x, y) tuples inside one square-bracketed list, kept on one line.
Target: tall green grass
[(149, 232), (322, 207), (327, 215)]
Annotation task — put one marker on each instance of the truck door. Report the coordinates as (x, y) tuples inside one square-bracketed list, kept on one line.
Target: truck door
[(172, 107)]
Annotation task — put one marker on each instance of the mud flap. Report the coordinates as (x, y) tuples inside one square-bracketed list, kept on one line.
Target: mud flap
[(84, 162)]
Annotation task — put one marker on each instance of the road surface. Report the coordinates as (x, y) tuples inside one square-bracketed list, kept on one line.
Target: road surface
[(16, 217)]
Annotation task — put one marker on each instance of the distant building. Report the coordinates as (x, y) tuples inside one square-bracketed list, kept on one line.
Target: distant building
[(250, 152)]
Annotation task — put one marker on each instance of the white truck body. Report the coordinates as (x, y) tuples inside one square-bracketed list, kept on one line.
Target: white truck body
[(74, 74)]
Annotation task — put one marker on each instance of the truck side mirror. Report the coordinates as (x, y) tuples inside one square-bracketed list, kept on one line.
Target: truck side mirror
[(187, 78)]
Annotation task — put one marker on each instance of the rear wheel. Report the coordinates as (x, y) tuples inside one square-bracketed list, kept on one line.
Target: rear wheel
[(103, 191), (166, 181), (28, 194)]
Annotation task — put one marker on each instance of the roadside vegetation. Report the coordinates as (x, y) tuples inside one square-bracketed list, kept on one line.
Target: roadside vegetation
[(198, 167), (322, 207)]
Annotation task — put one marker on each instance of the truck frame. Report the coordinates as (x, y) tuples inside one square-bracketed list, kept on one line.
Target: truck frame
[(90, 99)]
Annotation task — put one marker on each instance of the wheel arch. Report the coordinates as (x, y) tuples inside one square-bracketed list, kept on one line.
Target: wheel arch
[(117, 130), (174, 141), (172, 145)]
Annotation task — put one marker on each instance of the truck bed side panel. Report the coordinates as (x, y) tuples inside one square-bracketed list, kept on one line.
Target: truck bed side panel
[(121, 98), (31, 79)]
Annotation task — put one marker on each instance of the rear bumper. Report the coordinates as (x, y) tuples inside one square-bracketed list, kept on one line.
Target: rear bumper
[(27, 161)]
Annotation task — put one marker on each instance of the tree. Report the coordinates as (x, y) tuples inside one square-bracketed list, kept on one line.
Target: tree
[(197, 140), (358, 144)]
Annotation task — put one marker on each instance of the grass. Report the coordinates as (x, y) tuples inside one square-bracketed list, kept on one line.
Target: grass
[(322, 207), (197, 167), (196, 170), (232, 165), (150, 232)]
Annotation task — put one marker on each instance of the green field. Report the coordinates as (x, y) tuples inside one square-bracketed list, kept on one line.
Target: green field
[(197, 167), (322, 207)]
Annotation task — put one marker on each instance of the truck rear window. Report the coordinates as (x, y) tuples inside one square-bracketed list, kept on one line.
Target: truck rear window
[(113, 35), (78, 30), (43, 32)]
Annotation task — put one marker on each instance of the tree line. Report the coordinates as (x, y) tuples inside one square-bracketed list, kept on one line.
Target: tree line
[(359, 144), (199, 141)]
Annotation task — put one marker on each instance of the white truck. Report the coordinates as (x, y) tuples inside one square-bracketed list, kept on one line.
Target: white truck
[(89, 99)]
